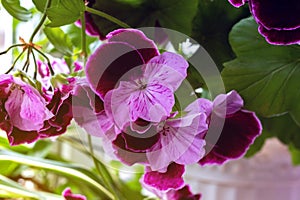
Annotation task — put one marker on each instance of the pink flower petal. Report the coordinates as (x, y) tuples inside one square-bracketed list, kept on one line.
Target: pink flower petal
[(169, 69), (171, 179), (180, 144), (23, 114), (130, 102), (227, 104)]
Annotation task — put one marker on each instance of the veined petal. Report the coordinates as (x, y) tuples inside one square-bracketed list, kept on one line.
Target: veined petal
[(168, 68), (171, 179), (137, 39), (239, 132), (180, 144), (129, 102), (23, 114), (109, 63)]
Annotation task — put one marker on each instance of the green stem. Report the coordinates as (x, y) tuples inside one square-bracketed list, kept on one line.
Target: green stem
[(35, 66), (12, 46), (48, 61), (83, 37), (48, 3), (14, 63), (101, 169), (107, 16), (27, 62)]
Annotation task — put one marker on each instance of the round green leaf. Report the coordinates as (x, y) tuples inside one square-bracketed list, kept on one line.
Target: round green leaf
[(267, 76)]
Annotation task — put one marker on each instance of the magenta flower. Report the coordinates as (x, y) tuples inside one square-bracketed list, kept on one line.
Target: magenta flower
[(279, 22), (133, 79), (68, 195), (125, 50), (20, 109), (26, 115), (18, 112), (240, 129)]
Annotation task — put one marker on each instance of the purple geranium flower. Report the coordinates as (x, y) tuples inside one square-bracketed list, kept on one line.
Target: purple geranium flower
[(20, 109), (133, 79), (26, 115), (17, 113), (240, 129), (125, 50), (279, 21)]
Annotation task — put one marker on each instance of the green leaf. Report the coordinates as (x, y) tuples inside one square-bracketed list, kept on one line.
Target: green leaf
[(68, 170), (266, 76), (65, 12), (11, 189), (14, 8), (74, 34), (60, 40), (172, 14), (284, 128), (211, 26), (41, 4), (295, 153)]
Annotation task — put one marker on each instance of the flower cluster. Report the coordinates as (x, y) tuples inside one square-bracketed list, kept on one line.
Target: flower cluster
[(128, 100), (279, 24), (28, 114)]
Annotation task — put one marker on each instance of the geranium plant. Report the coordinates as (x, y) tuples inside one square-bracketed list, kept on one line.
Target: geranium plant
[(118, 71)]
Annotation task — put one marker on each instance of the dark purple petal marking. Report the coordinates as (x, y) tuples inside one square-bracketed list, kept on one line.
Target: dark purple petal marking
[(109, 63), (183, 194), (276, 14), (239, 132), (280, 37), (137, 39)]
